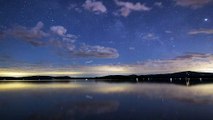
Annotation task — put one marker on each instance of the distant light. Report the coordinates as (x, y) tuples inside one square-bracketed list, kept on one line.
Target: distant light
[(206, 19)]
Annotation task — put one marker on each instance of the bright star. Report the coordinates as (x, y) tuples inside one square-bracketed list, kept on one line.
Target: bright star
[(206, 19)]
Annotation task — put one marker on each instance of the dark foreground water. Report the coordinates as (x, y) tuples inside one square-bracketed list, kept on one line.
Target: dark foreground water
[(105, 101)]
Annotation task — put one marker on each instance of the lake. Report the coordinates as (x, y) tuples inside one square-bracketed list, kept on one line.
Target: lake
[(105, 101)]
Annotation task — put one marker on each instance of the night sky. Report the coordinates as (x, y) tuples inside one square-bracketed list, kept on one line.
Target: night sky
[(104, 37)]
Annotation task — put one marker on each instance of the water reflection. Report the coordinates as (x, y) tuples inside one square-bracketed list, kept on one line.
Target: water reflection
[(95, 107), (79, 110), (31, 86), (98, 100), (198, 93)]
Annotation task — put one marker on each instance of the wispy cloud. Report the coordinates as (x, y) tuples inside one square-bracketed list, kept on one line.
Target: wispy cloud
[(89, 62), (96, 52), (74, 7), (192, 56), (59, 30), (131, 48), (168, 31), (32, 35), (95, 6), (128, 7), (158, 4), (201, 31), (187, 62), (58, 38), (194, 4), (64, 40), (150, 36)]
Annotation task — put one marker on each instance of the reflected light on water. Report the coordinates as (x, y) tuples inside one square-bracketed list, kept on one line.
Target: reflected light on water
[(29, 86), (113, 89), (193, 94), (206, 89), (15, 86), (90, 100), (97, 88)]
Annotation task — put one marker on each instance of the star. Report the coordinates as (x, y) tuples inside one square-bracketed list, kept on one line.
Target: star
[(206, 19), (52, 20)]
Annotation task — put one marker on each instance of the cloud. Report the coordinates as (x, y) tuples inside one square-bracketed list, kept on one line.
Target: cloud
[(58, 38), (62, 35), (96, 52), (150, 36), (88, 62), (59, 30), (85, 51), (186, 62), (192, 56), (32, 35), (201, 31), (128, 7), (95, 6), (37, 37), (131, 48), (68, 46), (74, 7), (158, 4), (168, 31), (194, 4)]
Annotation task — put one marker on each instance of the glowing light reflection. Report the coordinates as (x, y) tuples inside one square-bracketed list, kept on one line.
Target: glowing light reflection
[(29, 86), (108, 88)]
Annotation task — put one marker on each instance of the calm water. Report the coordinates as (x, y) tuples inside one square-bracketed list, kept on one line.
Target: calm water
[(105, 101)]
